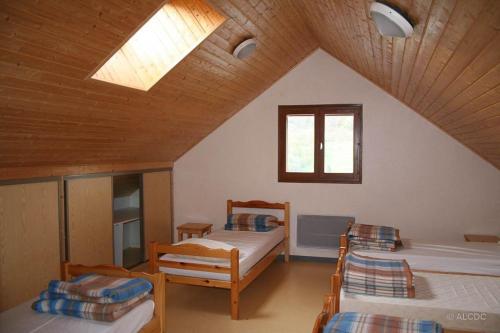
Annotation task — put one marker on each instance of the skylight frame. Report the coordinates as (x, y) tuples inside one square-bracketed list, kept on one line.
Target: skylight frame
[(190, 23)]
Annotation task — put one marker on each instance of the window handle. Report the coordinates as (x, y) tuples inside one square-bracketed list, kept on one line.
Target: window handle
[(321, 146)]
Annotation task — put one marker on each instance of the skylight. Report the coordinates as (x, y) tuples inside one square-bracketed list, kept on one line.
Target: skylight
[(160, 44)]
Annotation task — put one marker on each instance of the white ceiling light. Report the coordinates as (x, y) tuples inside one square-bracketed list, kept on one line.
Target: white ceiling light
[(389, 21), (245, 48)]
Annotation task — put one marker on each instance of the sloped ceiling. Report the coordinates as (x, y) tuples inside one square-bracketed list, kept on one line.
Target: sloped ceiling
[(52, 114)]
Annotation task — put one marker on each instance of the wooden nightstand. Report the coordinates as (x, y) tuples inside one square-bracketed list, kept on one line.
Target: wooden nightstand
[(191, 229), (481, 238)]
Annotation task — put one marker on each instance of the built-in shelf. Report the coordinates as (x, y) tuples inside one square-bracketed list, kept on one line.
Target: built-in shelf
[(126, 214)]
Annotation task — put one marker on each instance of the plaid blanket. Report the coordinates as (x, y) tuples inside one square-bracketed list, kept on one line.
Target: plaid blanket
[(97, 289), (373, 237), (250, 222), (378, 277), (377, 245), (354, 322), (87, 310), (374, 232)]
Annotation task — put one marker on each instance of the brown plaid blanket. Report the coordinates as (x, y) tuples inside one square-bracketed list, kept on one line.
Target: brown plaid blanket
[(373, 237), (378, 277), (87, 310)]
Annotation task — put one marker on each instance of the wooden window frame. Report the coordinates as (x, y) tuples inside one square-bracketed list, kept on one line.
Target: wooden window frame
[(319, 112)]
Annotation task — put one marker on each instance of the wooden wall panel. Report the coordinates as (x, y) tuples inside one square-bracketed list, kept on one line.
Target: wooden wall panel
[(29, 240), (157, 208), (89, 204)]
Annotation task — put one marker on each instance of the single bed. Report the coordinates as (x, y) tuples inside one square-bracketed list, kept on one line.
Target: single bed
[(231, 269), (328, 312), (457, 301), (449, 257), (148, 317)]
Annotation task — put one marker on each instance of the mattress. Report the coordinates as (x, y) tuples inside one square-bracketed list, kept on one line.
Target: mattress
[(253, 246), (22, 319), (464, 302), (453, 257)]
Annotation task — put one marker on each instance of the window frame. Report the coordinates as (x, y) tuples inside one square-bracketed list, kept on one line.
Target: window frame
[(319, 112)]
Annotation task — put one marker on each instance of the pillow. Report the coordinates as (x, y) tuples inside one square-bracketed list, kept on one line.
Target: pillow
[(373, 232), (251, 222)]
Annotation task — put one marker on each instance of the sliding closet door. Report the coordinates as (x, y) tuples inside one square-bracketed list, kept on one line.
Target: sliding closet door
[(89, 207), (156, 188), (29, 241)]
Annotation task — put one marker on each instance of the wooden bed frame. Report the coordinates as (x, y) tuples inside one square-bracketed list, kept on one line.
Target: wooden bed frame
[(157, 324), (236, 284), (328, 312)]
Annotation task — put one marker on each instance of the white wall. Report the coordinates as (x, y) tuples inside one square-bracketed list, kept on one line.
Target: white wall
[(415, 176)]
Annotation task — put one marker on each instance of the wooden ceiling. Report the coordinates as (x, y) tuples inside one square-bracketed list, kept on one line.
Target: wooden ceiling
[(53, 115), (448, 71)]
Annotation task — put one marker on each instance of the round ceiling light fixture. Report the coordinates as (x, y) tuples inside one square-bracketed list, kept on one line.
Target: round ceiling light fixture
[(245, 48), (389, 21)]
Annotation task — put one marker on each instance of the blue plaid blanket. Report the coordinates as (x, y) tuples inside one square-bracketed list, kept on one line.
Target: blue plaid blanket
[(250, 222), (354, 322), (97, 289)]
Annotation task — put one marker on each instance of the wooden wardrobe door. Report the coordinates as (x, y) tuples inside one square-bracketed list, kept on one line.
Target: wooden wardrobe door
[(29, 241), (90, 220), (157, 208)]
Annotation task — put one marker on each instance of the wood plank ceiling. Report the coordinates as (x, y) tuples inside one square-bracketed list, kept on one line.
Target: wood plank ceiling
[(52, 114), (448, 71)]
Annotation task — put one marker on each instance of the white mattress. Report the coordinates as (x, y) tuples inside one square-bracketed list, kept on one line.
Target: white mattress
[(22, 319), (253, 246), (456, 301), (454, 257)]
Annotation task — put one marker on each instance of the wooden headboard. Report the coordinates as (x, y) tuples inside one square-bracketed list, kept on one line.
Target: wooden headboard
[(285, 206)]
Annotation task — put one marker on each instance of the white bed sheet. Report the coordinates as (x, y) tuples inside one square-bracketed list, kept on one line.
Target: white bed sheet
[(453, 257), (22, 319), (253, 246), (456, 301)]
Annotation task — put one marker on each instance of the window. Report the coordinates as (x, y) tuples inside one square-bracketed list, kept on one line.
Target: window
[(320, 143), (161, 43)]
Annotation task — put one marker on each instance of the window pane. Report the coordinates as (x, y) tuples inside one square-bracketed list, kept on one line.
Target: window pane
[(300, 143), (339, 144)]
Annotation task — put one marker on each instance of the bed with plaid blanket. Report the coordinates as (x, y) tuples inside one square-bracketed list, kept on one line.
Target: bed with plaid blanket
[(374, 237), (354, 322), (97, 289), (378, 277), (251, 222), (87, 310)]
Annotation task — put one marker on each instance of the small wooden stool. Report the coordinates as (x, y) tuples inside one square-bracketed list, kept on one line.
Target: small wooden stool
[(193, 229)]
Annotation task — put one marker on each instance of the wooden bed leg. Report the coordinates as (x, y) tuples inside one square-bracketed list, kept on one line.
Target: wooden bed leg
[(160, 305), (153, 257), (235, 284), (286, 218), (65, 271)]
